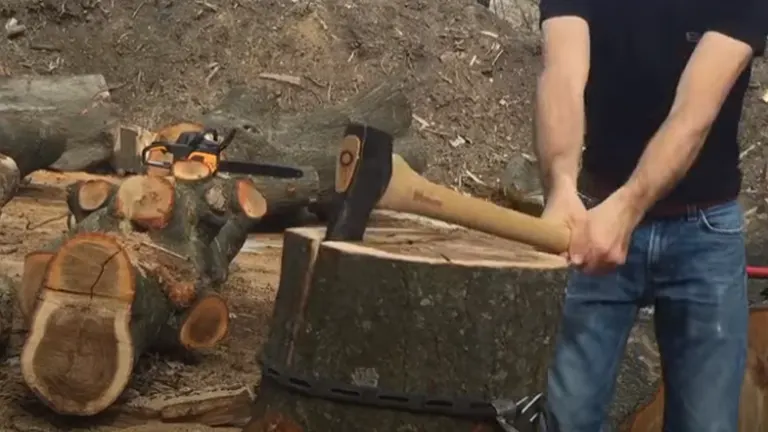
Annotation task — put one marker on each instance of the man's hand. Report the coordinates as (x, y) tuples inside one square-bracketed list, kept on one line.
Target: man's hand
[(601, 242), (565, 207)]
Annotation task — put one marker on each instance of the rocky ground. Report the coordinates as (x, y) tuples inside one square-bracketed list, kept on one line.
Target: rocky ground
[(471, 76)]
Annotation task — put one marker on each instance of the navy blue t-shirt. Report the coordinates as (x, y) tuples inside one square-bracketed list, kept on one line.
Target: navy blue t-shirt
[(638, 51)]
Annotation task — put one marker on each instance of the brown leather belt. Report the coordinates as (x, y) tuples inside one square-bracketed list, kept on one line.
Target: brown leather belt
[(597, 192)]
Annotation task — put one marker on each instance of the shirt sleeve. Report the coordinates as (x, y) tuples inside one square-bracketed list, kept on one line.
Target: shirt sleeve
[(744, 20), (555, 8)]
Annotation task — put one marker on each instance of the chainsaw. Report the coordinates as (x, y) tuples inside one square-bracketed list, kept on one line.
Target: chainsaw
[(206, 148)]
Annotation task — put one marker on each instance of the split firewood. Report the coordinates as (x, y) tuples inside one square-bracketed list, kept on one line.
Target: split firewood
[(140, 271)]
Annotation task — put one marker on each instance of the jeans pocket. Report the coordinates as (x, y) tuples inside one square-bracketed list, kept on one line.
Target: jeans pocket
[(724, 219)]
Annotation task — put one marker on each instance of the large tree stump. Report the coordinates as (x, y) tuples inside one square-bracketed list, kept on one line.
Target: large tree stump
[(753, 413), (446, 313), (312, 139), (141, 270), (64, 117)]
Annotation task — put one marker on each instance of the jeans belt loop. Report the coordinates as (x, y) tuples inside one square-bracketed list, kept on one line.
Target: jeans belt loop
[(692, 212)]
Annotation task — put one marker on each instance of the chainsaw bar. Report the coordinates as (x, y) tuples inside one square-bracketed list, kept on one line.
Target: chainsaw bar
[(259, 169), (203, 147)]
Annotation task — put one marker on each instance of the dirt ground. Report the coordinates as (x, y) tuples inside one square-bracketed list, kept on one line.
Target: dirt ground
[(471, 74)]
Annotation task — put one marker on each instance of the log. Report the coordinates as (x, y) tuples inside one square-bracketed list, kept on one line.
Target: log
[(86, 196), (63, 118), (140, 272), (423, 310), (312, 139), (754, 393)]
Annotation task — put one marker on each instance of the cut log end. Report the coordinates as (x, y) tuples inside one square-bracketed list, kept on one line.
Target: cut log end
[(206, 324), (89, 283), (252, 202), (10, 176), (457, 247), (92, 194), (190, 170), (147, 201)]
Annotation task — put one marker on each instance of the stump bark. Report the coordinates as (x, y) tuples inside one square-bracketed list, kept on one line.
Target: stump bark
[(140, 270), (65, 118), (312, 139), (754, 393), (427, 310)]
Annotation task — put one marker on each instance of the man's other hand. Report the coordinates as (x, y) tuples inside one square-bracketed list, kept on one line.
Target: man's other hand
[(602, 243)]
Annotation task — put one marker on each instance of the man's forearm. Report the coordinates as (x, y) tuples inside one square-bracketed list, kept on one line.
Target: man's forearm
[(559, 130), (715, 65), (665, 161)]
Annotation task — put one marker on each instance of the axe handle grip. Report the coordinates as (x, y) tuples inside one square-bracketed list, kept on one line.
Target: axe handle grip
[(411, 193)]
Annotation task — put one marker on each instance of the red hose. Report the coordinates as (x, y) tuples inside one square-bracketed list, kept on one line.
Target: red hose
[(757, 272)]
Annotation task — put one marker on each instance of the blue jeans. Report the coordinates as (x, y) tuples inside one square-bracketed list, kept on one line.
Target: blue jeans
[(692, 270)]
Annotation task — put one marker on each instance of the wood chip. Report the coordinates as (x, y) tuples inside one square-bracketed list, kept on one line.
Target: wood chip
[(13, 28), (290, 79), (213, 406)]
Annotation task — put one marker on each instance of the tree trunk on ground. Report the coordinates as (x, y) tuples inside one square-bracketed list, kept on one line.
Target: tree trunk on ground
[(140, 270), (428, 310), (754, 393), (312, 139), (63, 118)]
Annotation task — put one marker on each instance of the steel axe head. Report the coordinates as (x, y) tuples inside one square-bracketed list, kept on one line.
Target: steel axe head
[(363, 173)]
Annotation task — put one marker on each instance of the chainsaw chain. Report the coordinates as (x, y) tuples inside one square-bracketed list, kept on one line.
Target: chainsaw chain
[(507, 414)]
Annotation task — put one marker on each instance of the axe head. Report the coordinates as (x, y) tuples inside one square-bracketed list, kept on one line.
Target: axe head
[(363, 173)]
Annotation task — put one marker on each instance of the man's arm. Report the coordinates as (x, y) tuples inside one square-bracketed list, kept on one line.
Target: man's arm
[(720, 57), (559, 125)]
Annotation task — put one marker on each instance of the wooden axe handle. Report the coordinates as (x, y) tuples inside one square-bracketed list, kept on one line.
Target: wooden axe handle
[(411, 193)]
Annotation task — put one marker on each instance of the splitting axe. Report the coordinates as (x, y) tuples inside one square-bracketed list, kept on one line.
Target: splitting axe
[(369, 175)]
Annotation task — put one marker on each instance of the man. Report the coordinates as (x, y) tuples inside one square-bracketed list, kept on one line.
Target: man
[(654, 90)]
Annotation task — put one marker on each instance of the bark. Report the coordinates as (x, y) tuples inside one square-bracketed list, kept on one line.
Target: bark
[(312, 139), (140, 271), (7, 302), (63, 120), (426, 311)]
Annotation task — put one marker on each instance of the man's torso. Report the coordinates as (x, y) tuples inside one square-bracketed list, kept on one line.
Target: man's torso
[(638, 52)]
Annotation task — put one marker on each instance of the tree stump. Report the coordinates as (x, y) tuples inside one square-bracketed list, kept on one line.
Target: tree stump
[(66, 118), (424, 310), (754, 392), (312, 139), (140, 270)]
